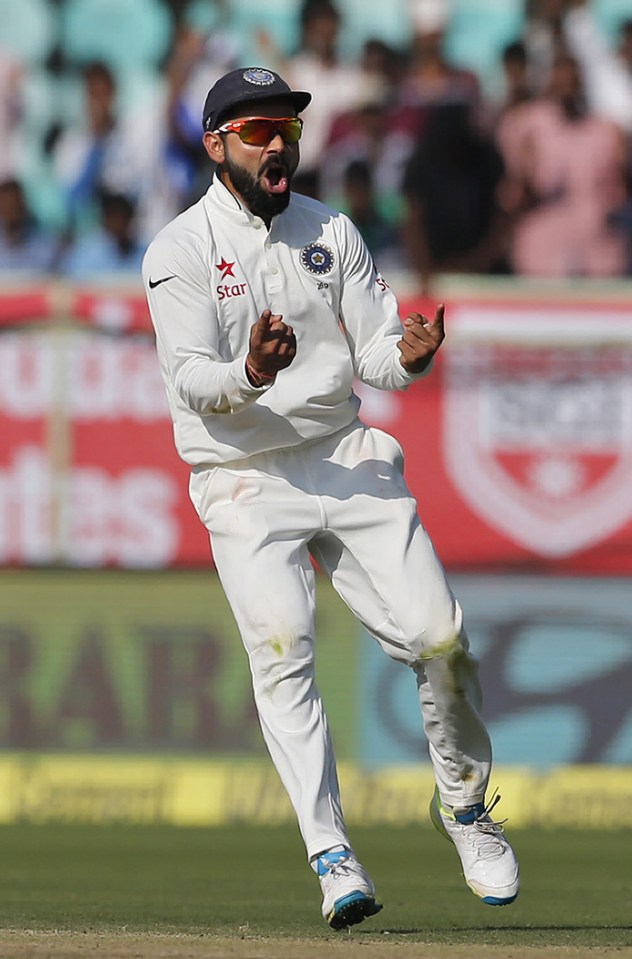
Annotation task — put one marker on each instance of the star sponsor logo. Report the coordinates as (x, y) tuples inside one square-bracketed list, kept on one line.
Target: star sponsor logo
[(536, 436), (317, 258), (227, 291), (225, 268)]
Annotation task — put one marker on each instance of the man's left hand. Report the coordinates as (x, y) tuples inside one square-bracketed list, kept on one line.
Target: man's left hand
[(421, 340)]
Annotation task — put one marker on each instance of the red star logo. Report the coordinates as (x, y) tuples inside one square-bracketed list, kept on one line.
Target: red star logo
[(226, 268)]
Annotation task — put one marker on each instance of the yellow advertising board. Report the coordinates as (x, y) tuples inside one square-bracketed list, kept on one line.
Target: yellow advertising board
[(105, 789)]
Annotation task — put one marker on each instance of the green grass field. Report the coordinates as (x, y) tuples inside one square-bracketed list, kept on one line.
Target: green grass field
[(252, 886)]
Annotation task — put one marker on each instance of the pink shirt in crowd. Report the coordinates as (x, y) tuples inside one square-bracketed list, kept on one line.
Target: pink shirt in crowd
[(575, 174)]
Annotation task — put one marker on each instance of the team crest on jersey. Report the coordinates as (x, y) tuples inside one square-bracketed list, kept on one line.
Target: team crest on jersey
[(317, 258), (258, 76), (535, 438)]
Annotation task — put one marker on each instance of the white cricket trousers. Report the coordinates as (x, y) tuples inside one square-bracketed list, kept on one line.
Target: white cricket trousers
[(344, 500)]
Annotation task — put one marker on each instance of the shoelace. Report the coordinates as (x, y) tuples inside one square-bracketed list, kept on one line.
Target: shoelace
[(489, 846), (341, 867)]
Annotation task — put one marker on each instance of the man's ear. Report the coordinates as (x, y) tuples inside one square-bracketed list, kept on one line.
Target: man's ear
[(214, 146)]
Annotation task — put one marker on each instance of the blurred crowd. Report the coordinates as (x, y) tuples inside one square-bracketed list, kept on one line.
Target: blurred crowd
[(442, 171)]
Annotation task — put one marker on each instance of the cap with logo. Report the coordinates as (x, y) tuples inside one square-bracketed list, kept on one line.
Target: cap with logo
[(243, 85)]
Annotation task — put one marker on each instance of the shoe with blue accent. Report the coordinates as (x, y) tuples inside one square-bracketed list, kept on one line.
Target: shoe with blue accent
[(348, 893), (489, 865)]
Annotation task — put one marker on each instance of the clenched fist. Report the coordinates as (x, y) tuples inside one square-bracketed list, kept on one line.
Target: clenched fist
[(272, 346)]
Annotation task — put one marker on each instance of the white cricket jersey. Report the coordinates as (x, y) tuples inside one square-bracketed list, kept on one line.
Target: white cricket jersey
[(211, 272)]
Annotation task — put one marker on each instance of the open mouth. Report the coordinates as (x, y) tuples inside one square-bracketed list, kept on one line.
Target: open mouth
[(275, 178)]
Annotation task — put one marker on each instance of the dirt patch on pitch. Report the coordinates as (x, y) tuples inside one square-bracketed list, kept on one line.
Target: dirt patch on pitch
[(41, 945)]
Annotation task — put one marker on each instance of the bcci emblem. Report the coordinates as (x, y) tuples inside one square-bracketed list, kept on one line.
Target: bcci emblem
[(317, 258), (262, 78)]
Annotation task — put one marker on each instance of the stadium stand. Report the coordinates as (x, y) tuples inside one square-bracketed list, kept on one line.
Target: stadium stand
[(29, 29), (128, 34), (53, 39)]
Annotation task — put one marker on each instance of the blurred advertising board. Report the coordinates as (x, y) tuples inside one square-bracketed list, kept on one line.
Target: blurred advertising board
[(555, 657), (214, 792), (518, 446), (126, 698), (151, 662), (88, 474), (144, 662)]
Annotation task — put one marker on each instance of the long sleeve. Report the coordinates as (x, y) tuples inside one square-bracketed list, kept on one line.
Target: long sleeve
[(189, 340), (370, 315)]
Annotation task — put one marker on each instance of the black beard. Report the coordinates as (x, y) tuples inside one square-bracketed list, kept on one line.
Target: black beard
[(259, 201)]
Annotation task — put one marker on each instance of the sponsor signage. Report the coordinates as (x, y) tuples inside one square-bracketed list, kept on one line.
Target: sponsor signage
[(518, 445), (139, 663), (213, 792), (554, 654), (537, 429)]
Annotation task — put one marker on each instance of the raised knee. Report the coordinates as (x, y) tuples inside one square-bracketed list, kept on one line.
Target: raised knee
[(448, 649)]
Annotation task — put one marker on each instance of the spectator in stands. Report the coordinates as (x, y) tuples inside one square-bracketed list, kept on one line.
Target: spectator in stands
[(83, 155), (359, 202), (11, 96), (115, 153), (606, 70), (453, 223), (198, 58), (544, 39), (24, 245), (430, 78), (112, 247), (517, 87), (368, 133), (384, 62), (566, 176), (335, 86)]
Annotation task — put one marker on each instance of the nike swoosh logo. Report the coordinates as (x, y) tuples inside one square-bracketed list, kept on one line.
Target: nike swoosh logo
[(154, 283)]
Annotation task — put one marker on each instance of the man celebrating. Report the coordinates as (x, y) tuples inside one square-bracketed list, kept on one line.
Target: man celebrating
[(266, 305)]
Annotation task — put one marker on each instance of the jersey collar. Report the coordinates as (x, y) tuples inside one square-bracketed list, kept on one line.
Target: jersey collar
[(220, 196)]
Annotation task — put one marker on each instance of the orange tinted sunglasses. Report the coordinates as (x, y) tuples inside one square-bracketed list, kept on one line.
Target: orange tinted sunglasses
[(259, 131)]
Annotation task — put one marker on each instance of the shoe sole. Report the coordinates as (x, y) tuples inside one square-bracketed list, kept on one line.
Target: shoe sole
[(437, 822), (494, 900), (352, 909)]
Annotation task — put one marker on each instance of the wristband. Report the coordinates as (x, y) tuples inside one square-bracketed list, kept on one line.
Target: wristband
[(257, 376)]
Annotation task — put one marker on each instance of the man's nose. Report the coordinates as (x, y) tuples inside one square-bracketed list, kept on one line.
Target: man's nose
[(277, 143)]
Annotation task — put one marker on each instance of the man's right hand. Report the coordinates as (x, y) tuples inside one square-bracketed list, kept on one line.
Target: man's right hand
[(272, 345)]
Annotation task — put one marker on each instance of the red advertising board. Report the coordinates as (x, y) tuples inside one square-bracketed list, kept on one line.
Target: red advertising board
[(518, 445)]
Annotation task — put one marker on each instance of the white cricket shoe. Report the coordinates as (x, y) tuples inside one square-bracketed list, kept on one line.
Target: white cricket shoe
[(348, 893), (489, 865)]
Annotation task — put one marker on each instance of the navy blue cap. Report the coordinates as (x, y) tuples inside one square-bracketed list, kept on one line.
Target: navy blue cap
[(243, 85)]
